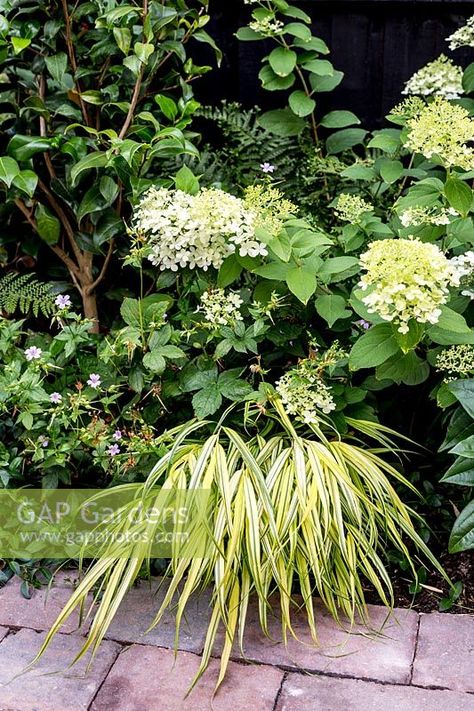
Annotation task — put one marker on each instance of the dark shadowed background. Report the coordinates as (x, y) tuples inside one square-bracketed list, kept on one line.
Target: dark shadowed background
[(379, 44)]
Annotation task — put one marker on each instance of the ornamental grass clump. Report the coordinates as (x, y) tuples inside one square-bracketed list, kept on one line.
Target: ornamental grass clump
[(442, 130), (292, 508), (405, 280)]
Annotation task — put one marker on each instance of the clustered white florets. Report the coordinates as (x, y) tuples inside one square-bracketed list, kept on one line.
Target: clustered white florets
[(267, 26), (439, 78), (442, 130), (422, 215), (200, 230), (350, 208), (463, 37), (464, 268), (220, 309), (303, 392), (405, 280), (456, 360)]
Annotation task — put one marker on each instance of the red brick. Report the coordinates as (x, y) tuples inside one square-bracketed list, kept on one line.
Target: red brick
[(150, 679), (303, 693), (139, 608), (445, 652), (39, 689), (384, 657)]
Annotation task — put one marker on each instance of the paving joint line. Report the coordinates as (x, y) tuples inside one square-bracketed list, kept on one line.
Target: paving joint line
[(119, 652), (280, 689), (415, 650)]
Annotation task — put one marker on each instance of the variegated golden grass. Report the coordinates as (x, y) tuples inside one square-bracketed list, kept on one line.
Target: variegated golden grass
[(283, 510)]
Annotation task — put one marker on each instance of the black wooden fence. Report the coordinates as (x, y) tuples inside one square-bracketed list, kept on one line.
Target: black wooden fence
[(378, 44)]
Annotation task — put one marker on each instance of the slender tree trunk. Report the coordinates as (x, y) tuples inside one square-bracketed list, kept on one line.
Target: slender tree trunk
[(89, 303)]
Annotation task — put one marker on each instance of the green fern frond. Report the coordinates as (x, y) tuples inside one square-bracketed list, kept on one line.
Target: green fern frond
[(26, 294)]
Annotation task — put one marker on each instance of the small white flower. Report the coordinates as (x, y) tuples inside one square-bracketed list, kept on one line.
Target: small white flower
[(117, 435), (33, 353), (267, 167), (113, 450), (94, 381), (55, 398), (63, 301)]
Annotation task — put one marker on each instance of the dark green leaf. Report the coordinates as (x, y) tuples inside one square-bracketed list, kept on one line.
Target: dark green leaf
[(48, 225), (301, 104), (282, 61), (463, 390), (462, 535), (207, 401), (9, 169), (459, 195), (26, 181), (301, 283), (460, 473), (339, 119), (345, 139), (468, 79), (282, 122), (374, 347), (186, 181), (332, 308)]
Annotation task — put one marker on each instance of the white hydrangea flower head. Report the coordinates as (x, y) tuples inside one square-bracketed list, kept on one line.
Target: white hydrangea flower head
[(463, 37), (195, 231), (220, 309), (405, 280), (423, 215), (443, 130), (438, 78), (304, 393), (350, 208), (464, 268)]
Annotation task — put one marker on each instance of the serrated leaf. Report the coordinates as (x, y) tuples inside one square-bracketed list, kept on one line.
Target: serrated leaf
[(207, 401), (154, 361)]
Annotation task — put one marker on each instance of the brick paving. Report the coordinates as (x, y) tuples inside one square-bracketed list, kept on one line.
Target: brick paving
[(416, 662)]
